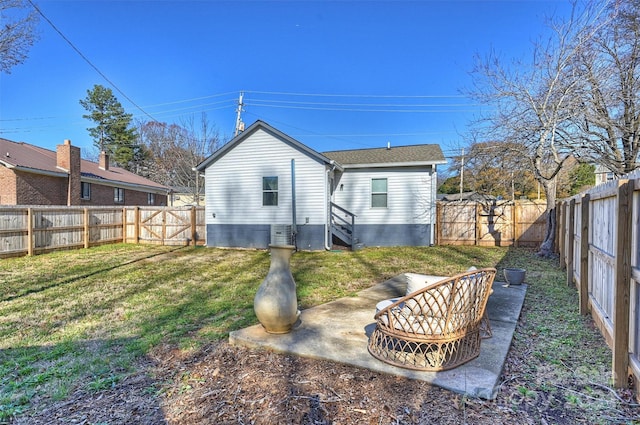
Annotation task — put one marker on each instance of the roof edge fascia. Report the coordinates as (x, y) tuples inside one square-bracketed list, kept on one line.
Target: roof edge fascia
[(394, 164), (39, 171), (115, 183), (257, 125)]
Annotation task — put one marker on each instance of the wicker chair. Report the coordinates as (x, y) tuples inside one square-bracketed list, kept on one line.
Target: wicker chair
[(437, 327)]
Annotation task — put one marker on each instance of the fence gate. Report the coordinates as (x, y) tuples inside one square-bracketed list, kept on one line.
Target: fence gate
[(165, 226)]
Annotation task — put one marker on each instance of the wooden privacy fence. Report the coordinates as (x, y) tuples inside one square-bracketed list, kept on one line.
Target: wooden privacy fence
[(165, 226), (501, 223), (599, 244), (33, 230)]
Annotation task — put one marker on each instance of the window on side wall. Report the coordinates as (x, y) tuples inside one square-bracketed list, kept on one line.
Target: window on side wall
[(118, 195), (270, 191), (379, 193), (85, 190), (151, 198)]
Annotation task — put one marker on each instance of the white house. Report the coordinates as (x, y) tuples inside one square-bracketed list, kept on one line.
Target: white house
[(265, 187)]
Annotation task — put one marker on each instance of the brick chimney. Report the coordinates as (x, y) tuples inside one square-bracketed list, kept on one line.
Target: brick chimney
[(103, 161), (68, 159)]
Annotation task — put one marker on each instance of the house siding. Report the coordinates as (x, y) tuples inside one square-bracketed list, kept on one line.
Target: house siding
[(394, 234), (20, 188), (8, 192), (235, 214), (258, 236), (409, 216), (37, 189), (103, 195)]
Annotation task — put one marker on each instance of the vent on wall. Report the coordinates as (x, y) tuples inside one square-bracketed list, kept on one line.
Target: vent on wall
[(281, 234)]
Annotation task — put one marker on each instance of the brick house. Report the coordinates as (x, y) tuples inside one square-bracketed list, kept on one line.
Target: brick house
[(31, 175)]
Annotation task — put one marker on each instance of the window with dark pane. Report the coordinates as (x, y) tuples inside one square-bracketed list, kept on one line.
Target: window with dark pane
[(270, 191), (85, 190), (118, 195)]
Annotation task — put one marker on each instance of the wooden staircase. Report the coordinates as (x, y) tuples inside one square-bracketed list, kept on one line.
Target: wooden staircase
[(343, 225)]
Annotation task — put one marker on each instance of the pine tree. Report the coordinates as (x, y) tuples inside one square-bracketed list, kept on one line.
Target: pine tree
[(113, 133)]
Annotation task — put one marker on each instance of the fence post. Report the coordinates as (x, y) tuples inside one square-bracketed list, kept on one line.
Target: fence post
[(622, 285), (30, 232), (478, 224), (86, 228), (515, 217), (561, 223), (438, 224), (584, 254), (164, 226), (556, 211), (136, 227), (570, 240), (194, 234)]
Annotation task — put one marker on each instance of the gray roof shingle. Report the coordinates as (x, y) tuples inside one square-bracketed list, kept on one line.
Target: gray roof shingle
[(418, 154), (26, 156)]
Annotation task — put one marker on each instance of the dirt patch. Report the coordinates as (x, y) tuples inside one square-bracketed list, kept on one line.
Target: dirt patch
[(222, 384)]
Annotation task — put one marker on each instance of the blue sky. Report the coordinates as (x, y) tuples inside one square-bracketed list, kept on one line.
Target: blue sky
[(333, 75)]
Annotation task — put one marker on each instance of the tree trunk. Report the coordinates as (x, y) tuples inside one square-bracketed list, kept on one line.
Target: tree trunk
[(548, 244)]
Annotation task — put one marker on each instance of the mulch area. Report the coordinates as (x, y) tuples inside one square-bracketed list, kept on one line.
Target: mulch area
[(223, 384)]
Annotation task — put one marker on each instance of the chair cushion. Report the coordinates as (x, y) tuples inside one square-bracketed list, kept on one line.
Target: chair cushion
[(384, 303), (417, 281), (405, 320)]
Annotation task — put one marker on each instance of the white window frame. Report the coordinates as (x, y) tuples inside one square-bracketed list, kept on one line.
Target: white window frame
[(118, 195), (267, 191), (378, 193), (151, 198)]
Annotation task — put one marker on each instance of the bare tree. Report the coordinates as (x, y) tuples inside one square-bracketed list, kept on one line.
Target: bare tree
[(175, 151), (496, 168), (17, 32), (204, 135), (533, 104), (609, 67)]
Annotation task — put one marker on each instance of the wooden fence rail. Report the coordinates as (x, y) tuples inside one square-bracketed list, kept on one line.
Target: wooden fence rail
[(29, 230), (503, 223), (600, 247), (36, 229)]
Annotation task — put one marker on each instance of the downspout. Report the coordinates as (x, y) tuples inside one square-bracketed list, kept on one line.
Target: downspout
[(327, 191), (433, 215), (294, 228)]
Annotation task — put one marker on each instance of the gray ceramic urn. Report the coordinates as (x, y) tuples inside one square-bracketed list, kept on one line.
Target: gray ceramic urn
[(275, 303)]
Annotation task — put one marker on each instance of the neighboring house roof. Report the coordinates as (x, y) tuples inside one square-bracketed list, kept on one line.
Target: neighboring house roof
[(396, 155), (29, 158), (184, 189), (261, 125), (467, 196)]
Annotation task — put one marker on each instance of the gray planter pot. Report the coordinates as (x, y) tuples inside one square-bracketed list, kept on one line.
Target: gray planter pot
[(514, 276), (275, 303)]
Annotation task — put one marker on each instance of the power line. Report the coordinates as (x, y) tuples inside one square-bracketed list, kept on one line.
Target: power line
[(226, 101), (317, 108), (342, 137), (380, 103), (398, 105), (192, 99), (357, 95), (88, 61)]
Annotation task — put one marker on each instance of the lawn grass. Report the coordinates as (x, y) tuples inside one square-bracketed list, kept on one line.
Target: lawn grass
[(81, 319)]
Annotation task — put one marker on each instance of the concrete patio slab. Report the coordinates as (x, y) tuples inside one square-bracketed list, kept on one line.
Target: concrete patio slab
[(339, 331)]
